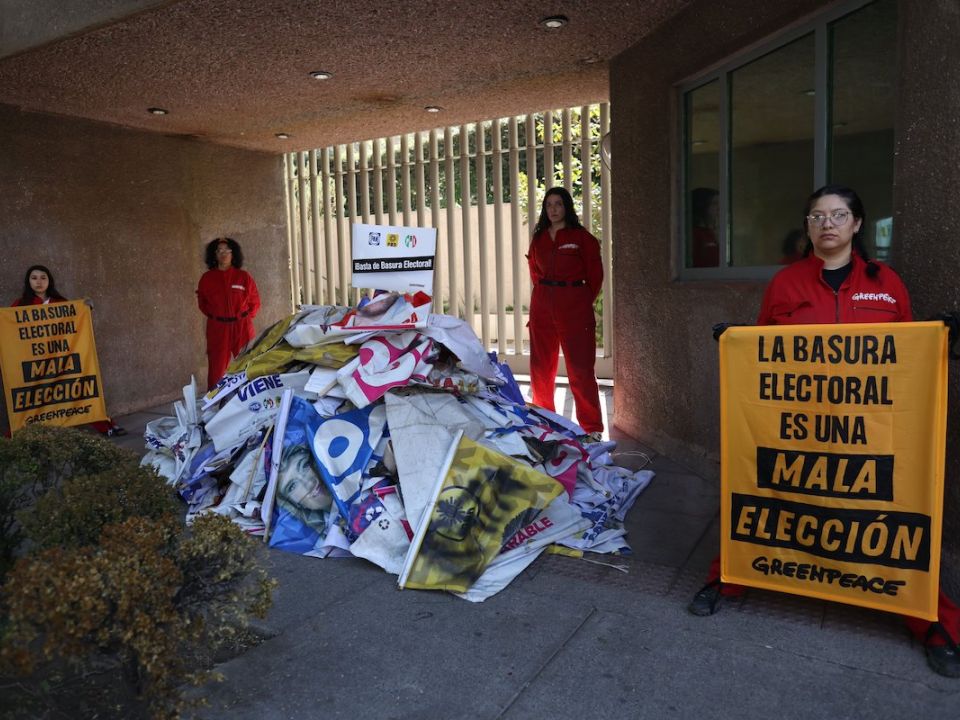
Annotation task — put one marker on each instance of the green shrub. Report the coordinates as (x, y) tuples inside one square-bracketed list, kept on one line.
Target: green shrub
[(74, 514), (112, 576), (37, 459)]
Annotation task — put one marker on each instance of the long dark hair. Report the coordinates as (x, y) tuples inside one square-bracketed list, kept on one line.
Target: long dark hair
[(27, 296), (570, 215), (210, 255), (855, 204)]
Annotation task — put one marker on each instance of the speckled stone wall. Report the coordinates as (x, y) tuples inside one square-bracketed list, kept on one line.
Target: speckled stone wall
[(121, 217), (666, 391), (927, 204)]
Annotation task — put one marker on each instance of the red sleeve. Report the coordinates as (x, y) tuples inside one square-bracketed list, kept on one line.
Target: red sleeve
[(766, 316), (535, 275), (15, 303), (252, 304), (593, 263), (204, 299), (899, 291)]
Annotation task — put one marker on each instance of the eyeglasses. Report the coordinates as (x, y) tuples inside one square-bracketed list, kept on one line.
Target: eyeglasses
[(837, 217)]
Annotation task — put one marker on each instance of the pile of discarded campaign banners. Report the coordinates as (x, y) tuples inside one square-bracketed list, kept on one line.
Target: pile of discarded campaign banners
[(387, 432)]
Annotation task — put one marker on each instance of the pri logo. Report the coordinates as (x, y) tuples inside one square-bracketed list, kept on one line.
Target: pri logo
[(410, 241), (393, 240), (373, 238)]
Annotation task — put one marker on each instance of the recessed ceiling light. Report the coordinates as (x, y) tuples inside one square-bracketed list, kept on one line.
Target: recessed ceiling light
[(554, 22), (157, 111), (838, 125), (433, 108), (591, 59), (321, 75), (282, 136), (699, 142), (811, 92)]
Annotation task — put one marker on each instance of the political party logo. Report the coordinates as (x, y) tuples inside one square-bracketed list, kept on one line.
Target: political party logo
[(373, 238), (393, 240), (410, 241), (254, 407)]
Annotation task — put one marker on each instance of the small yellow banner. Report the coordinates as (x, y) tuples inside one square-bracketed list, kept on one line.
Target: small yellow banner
[(832, 447), (49, 361)]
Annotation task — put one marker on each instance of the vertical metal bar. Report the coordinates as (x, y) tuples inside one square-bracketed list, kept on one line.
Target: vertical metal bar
[(435, 218), (726, 172), (364, 184), (344, 251), (405, 177), (515, 236), (322, 270), (499, 269), (465, 208), (549, 173), (300, 250), (453, 287), (377, 182), (606, 239), (530, 154), (391, 181), (421, 186), (586, 167), (567, 150), (351, 181), (480, 171), (821, 106), (292, 250), (331, 273), (305, 175)]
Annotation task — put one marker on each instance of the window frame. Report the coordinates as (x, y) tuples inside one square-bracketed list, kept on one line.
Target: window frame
[(818, 25)]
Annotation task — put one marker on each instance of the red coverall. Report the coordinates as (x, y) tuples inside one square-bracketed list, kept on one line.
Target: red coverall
[(799, 295), (230, 300), (567, 274), (101, 426)]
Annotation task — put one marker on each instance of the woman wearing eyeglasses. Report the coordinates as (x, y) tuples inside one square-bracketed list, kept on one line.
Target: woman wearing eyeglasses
[(837, 282), (229, 298)]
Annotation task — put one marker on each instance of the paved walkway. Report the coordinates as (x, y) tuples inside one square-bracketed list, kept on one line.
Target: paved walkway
[(572, 638)]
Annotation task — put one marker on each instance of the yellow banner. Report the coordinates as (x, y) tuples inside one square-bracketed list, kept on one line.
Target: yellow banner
[(49, 361), (832, 447)]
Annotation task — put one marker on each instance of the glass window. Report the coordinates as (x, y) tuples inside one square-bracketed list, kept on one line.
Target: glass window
[(762, 131), (863, 71), (703, 175), (771, 163)]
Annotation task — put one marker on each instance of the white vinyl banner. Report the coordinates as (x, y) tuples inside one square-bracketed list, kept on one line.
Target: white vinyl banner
[(392, 257)]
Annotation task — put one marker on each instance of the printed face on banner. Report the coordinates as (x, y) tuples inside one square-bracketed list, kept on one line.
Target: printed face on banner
[(388, 257), (832, 461)]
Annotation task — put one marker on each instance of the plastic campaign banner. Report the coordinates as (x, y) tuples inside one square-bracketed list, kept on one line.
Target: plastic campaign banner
[(480, 502), (832, 446), (389, 257), (51, 374)]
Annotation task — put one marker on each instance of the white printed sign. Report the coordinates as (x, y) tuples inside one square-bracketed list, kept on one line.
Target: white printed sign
[(390, 257)]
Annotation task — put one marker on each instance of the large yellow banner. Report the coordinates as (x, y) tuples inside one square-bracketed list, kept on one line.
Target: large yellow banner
[(49, 361), (832, 461)]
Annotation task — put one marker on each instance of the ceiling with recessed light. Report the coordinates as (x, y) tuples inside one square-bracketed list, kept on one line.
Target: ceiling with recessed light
[(244, 72)]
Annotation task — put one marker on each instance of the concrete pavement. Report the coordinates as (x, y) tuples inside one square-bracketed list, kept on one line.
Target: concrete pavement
[(571, 638)]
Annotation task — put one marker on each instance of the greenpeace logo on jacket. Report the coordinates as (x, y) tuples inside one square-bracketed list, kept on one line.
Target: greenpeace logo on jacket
[(798, 295)]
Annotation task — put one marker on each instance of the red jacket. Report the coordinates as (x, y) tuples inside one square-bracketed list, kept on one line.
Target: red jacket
[(37, 301), (798, 295), (572, 256)]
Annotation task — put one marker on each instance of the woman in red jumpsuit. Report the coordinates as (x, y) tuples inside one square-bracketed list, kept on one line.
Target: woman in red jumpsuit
[(566, 273), (39, 288), (229, 298), (838, 283)]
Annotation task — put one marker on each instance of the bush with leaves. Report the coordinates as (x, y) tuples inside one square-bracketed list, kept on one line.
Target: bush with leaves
[(114, 574)]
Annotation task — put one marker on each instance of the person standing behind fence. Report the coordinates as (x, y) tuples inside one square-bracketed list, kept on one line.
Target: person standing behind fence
[(228, 297), (39, 288), (567, 273)]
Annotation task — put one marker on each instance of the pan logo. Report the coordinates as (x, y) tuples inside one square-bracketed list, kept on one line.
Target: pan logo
[(393, 240), (410, 241)]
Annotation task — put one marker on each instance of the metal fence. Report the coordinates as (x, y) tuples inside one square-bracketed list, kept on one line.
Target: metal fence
[(480, 185)]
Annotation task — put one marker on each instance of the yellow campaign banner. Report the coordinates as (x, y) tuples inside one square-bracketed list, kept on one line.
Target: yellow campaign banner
[(832, 461), (49, 361)]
